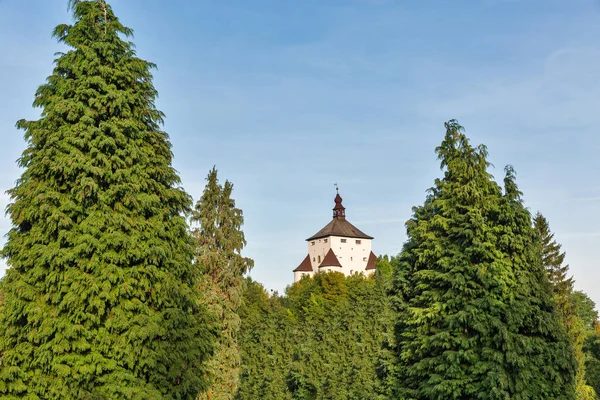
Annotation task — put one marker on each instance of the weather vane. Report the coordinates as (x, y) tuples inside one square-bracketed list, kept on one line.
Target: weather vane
[(336, 188)]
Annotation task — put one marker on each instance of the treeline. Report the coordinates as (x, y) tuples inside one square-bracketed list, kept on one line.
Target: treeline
[(326, 339), (333, 337), (119, 287)]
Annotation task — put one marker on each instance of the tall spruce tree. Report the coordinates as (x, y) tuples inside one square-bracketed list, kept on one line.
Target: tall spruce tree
[(552, 260), (220, 241), (101, 297), (541, 333), (479, 321)]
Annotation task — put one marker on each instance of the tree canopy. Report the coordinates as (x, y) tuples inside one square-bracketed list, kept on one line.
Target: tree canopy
[(219, 243), (101, 297), (325, 339), (480, 321)]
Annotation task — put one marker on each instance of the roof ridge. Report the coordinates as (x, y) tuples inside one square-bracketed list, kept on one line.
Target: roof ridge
[(340, 227)]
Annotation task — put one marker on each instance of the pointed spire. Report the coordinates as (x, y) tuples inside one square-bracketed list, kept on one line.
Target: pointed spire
[(339, 211)]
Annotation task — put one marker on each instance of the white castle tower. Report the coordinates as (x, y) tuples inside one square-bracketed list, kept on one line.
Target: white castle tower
[(339, 246)]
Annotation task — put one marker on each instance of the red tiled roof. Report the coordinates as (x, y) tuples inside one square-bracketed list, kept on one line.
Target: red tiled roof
[(330, 260), (304, 266), (340, 227), (371, 262)]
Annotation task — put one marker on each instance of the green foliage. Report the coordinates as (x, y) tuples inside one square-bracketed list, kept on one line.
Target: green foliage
[(562, 287), (342, 322), (220, 241), (586, 308), (266, 345), (322, 341), (592, 364), (552, 260), (479, 320), (101, 298)]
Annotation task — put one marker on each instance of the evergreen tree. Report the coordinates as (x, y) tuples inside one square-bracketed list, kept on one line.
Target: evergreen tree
[(552, 260), (101, 298), (562, 287), (479, 320), (220, 241), (535, 303)]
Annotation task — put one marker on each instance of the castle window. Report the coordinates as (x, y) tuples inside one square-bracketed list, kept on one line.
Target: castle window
[(313, 259), (358, 242), (319, 258), (312, 243), (343, 240), (350, 258), (364, 258), (324, 240)]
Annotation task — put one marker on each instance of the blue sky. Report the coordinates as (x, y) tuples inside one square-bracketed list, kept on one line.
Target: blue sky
[(288, 97)]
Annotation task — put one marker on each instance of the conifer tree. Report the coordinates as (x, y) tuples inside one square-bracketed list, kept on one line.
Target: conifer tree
[(535, 303), (553, 260), (562, 287), (479, 320), (220, 241), (101, 298)]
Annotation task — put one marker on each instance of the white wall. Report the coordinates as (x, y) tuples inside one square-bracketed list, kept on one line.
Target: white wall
[(317, 249), (352, 255), (298, 275)]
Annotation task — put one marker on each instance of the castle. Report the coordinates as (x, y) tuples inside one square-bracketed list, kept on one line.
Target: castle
[(339, 246)]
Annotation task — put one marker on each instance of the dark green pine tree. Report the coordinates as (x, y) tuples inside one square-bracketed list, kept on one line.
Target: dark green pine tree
[(101, 298), (220, 241), (479, 321), (540, 332), (552, 260)]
